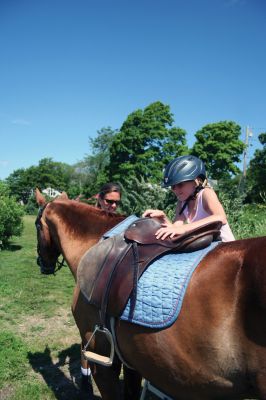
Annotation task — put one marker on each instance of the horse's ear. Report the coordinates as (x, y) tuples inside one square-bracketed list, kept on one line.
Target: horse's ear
[(41, 201), (63, 196)]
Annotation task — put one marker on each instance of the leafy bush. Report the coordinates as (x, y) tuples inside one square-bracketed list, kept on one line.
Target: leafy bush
[(139, 195), (10, 216), (31, 208), (245, 220)]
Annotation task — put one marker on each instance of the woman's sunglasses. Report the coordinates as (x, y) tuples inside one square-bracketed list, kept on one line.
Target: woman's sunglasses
[(109, 201)]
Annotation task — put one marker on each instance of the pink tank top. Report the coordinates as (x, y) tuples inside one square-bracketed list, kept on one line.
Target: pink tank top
[(226, 233)]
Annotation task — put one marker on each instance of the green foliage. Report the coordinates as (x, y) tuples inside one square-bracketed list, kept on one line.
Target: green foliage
[(139, 195), (31, 207), (48, 173), (91, 171), (245, 221), (256, 179), (145, 144), (253, 221), (10, 216), (232, 202), (220, 147)]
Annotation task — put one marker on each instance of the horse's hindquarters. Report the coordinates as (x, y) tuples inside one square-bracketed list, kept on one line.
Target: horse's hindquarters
[(208, 352)]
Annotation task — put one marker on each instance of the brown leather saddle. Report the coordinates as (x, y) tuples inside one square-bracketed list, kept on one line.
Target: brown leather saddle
[(109, 271)]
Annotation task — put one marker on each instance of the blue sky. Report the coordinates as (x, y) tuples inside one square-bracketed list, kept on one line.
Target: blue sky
[(71, 67)]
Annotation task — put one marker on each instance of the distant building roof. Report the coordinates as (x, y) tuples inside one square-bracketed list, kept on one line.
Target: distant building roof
[(51, 192)]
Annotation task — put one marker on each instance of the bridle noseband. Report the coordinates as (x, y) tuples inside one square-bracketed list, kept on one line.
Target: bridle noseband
[(44, 268)]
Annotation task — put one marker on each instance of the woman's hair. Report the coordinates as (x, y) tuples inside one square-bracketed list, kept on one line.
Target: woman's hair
[(108, 188)]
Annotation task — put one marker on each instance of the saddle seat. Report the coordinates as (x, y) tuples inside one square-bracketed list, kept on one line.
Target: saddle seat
[(109, 271)]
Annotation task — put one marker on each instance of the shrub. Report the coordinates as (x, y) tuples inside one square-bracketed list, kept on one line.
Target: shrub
[(245, 220), (139, 195), (31, 207), (10, 216)]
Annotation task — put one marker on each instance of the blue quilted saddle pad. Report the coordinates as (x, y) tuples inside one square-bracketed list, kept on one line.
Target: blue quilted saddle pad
[(121, 227), (162, 287)]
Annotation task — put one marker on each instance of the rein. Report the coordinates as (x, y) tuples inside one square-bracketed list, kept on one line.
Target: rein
[(59, 264)]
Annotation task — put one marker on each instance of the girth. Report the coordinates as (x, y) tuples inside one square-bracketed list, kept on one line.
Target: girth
[(109, 271)]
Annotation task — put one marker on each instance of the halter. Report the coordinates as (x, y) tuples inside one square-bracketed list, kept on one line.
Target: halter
[(58, 264)]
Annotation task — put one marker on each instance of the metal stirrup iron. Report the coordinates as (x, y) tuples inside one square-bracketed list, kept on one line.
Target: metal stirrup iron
[(98, 358)]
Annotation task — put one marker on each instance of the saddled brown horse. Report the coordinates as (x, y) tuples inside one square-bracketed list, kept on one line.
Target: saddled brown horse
[(217, 347), (69, 228)]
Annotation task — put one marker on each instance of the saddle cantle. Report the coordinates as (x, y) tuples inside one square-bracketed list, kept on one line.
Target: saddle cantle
[(109, 271)]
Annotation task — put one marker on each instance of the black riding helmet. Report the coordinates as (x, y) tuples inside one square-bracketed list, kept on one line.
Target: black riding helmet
[(184, 168)]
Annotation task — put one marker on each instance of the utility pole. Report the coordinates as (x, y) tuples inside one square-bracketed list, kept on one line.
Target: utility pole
[(245, 154), (242, 180)]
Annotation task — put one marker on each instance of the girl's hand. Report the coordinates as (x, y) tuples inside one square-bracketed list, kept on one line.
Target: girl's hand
[(154, 214), (170, 231), (159, 214)]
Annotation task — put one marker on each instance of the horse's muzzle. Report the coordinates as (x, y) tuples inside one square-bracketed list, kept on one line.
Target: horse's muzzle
[(44, 269)]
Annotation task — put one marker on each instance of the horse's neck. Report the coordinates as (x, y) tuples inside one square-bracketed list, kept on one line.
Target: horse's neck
[(73, 241), (73, 247)]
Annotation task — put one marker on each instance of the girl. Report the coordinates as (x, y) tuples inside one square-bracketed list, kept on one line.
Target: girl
[(198, 203)]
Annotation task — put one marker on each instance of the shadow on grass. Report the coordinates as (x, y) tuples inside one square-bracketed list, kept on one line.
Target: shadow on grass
[(66, 386), (13, 247)]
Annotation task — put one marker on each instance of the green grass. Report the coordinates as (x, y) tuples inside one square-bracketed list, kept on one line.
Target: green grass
[(36, 326)]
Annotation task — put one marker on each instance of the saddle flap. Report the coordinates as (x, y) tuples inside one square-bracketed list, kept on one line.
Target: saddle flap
[(93, 273)]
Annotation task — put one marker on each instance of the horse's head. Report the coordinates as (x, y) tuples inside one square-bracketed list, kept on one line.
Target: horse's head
[(47, 251)]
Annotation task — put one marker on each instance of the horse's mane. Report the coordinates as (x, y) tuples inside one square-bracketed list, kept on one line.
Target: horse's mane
[(83, 219)]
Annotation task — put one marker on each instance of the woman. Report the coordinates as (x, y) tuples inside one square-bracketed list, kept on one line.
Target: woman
[(109, 197)]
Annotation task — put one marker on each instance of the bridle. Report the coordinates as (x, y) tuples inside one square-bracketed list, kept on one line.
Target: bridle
[(51, 269)]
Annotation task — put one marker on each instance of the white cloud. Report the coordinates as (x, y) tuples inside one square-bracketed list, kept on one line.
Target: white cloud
[(20, 122), (4, 163)]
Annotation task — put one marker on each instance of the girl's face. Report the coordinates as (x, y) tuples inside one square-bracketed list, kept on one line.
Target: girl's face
[(110, 202), (184, 189)]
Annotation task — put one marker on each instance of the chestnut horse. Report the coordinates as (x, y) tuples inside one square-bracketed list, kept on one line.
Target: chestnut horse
[(216, 349), (69, 228)]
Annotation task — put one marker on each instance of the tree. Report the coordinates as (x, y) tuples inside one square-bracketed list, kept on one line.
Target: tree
[(92, 169), (220, 147), (48, 173), (256, 173), (145, 144)]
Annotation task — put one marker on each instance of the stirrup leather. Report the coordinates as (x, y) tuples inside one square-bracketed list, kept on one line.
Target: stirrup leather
[(98, 358)]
